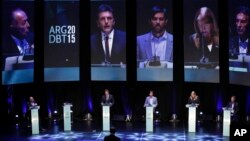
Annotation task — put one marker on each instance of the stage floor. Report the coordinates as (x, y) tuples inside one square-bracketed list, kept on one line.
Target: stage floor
[(92, 131)]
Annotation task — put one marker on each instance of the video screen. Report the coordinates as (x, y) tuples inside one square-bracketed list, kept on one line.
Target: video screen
[(17, 42), (239, 42), (61, 40), (154, 40), (201, 41), (108, 40)]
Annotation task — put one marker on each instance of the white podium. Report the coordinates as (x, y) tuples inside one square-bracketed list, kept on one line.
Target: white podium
[(105, 118), (226, 121), (67, 116), (149, 118), (191, 117), (35, 119)]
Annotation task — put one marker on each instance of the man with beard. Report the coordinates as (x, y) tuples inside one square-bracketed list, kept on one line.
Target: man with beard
[(19, 40), (157, 43), (109, 45), (239, 44)]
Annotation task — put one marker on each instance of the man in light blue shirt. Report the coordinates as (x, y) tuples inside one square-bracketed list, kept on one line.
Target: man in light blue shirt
[(157, 43), (151, 100)]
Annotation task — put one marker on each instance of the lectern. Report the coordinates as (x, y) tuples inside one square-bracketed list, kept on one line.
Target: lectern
[(67, 116), (105, 117), (149, 118), (191, 117), (226, 121), (35, 119)]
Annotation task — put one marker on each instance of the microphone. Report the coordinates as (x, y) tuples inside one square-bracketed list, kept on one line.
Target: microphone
[(203, 58)]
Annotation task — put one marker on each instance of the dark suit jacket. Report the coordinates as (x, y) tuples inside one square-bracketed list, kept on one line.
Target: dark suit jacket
[(110, 101), (9, 47), (193, 101), (235, 108), (118, 53), (194, 54), (234, 47), (111, 138)]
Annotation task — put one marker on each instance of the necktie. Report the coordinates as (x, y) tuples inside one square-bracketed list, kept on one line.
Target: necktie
[(243, 45), (107, 56)]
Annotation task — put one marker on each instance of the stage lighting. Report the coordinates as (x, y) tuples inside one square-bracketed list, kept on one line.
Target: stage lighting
[(88, 116), (128, 118), (55, 112), (157, 116), (247, 118), (174, 118), (218, 118)]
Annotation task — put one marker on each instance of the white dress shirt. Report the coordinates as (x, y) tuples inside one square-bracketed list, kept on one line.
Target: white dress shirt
[(111, 37), (159, 45)]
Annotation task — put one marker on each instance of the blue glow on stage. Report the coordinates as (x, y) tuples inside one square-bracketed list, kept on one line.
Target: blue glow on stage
[(128, 136)]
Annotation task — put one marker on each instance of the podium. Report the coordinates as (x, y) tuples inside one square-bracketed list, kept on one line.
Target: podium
[(191, 117), (67, 116), (226, 121), (105, 117), (149, 118), (35, 119)]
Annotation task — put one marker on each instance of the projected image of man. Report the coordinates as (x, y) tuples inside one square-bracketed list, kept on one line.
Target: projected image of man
[(109, 45), (158, 43), (19, 40)]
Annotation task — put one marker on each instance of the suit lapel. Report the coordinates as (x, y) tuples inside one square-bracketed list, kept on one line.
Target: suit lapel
[(148, 46)]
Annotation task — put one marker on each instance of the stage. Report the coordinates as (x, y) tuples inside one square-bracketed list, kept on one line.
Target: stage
[(84, 130)]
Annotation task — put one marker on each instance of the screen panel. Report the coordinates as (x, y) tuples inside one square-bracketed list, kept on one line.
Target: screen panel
[(108, 32), (239, 44), (61, 40), (17, 42), (201, 41), (154, 40)]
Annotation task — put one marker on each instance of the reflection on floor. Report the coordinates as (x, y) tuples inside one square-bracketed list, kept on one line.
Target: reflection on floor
[(92, 131)]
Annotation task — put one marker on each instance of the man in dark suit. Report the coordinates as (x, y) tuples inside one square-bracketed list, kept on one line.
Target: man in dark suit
[(107, 99), (239, 44), (112, 136), (108, 46), (19, 39), (235, 108)]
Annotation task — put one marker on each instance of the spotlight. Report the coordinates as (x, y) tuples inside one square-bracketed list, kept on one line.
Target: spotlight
[(16, 116), (128, 118), (218, 118), (174, 118), (55, 112), (88, 116), (247, 118)]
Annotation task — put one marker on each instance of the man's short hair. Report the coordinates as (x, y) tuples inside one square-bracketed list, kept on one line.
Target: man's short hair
[(158, 9), (104, 8), (243, 9), (112, 130)]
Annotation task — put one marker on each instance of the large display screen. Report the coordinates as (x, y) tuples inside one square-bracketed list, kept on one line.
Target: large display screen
[(108, 40), (239, 42), (17, 42), (201, 41), (61, 40), (154, 40)]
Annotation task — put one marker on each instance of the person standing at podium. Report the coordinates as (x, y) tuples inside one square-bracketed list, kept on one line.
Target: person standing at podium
[(20, 39), (107, 99), (235, 108), (109, 45), (194, 99), (239, 43), (151, 100), (31, 102)]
